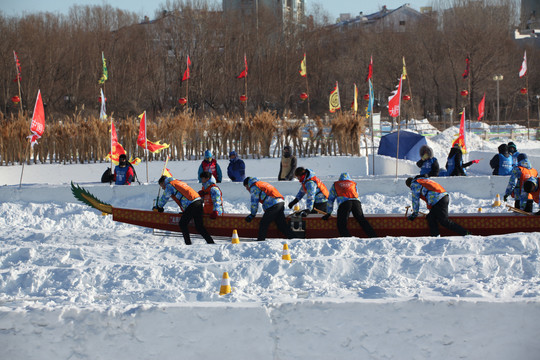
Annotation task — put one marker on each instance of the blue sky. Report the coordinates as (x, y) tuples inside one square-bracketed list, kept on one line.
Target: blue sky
[(147, 7)]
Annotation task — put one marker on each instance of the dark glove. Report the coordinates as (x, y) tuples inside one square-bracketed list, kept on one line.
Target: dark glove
[(326, 217), (505, 197), (232, 178), (249, 218), (292, 203), (214, 215), (304, 213), (218, 181), (158, 208), (201, 193), (412, 216)]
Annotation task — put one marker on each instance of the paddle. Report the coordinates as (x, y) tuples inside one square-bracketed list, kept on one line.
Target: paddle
[(407, 211), (519, 211)]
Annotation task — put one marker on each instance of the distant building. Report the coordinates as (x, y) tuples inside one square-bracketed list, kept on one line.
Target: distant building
[(284, 10), (396, 20)]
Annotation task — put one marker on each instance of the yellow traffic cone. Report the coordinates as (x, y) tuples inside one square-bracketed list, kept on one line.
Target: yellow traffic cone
[(497, 201), (225, 284), (286, 255), (235, 239)]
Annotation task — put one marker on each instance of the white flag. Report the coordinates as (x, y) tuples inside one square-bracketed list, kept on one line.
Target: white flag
[(103, 111), (523, 69)]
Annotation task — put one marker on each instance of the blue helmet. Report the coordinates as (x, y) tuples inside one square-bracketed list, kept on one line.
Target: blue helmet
[(207, 154)]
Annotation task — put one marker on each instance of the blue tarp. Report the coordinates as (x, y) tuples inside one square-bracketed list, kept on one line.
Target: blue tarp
[(409, 145)]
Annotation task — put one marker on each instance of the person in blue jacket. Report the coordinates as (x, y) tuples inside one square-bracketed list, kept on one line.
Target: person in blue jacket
[(237, 168), (520, 174), (454, 163), (512, 149), (428, 164), (502, 163), (123, 172), (210, 164), (314, 189)]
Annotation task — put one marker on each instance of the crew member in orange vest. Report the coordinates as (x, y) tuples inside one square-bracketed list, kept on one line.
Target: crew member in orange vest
[(314, 189), (211, 195), (520, 173), (437, 200), (190, 203), (344, 191), (531, 187), (273, 205)]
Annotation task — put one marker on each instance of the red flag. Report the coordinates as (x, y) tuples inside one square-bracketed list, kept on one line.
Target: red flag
[(18, 67), (143, 142), (394, 101), (186, 73), (244, 72), (482, 107), (370, 69), (37, 127), (461, 137), (466, 72), (523, 69), (116, 148)]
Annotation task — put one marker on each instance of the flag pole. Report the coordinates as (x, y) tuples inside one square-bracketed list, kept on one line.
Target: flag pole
[(18, 78), (146, 143), (112, 151), (187, 87), (527, 94), (307, 89)]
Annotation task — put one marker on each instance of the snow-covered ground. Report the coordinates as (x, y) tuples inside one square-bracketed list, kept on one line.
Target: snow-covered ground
[(76, 285)]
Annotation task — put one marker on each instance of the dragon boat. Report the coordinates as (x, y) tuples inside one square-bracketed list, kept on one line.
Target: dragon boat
[(314, 226)]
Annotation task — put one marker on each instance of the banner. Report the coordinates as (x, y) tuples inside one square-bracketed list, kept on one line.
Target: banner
[(105, 75), (460, 139), (103, 110), (482, 107), (186, 73), (244, 72), (18, 67), (116, 148), (355, 100), (523, 69), (394, 101), (370, 69), (37, 127), (142, 141), (334, 101), (466, 72), (404, 72), (371, 100), (303, 67)]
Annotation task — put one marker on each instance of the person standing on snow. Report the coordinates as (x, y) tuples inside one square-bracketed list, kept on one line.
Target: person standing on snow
[(344, 191), (273, 205), (437, 200), (520, 173), (211, 195), (502, 162), (123, 172), (287, 165), (454, 163), (210, 164), (237, 168), (314, 189), (428, 164), (190, 203)]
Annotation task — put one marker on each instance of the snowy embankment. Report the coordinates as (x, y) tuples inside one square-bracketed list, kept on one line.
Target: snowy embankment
[(76, 285)]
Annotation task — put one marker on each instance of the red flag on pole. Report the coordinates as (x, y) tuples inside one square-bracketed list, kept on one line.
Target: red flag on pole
[(461, 137), (466, 72), (186, 73), (116, 148), (482, 107), (142, 140), (37, 126), (244, 72), (394, 101), (18, 67), (370, 69)]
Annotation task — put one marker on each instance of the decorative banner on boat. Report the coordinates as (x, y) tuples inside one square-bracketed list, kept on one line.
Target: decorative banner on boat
[(334, 102), (142, 140), (37, 127)]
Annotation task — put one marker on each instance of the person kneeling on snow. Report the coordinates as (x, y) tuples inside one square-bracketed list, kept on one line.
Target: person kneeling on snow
[(190, 203), (502, 163), (345, 192), (211, 195), (428, 164), (123, 172), (520, 173), (273, 205), (437, 200), (531, 187)]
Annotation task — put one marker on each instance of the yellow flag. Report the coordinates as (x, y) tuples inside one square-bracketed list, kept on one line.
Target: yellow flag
[(404, 69), (334, 102), (355, 101), (167, 173), (303, 67)]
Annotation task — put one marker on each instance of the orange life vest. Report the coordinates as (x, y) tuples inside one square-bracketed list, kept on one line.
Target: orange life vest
[(185, 189), (525, 174), (320, 186), (268, 189), (346, 188), (431, 186), (208, 206)]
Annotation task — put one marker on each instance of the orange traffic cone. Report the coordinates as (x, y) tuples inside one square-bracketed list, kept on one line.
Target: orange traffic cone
[(286, 255), (235, 239), (497, 201), (225, 284)]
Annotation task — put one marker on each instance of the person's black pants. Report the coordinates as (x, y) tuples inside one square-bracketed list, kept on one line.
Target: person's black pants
[(276, 214), (194, 211), (343, 212), (323, 206), (439, 215)]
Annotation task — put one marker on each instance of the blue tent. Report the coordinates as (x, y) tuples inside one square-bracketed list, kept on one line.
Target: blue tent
[(409, 145)]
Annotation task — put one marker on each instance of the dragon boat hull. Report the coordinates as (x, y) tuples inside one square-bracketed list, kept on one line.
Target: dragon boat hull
[(314, 227)]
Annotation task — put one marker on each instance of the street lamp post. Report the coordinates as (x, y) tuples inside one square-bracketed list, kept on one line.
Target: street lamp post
[(498, 78)]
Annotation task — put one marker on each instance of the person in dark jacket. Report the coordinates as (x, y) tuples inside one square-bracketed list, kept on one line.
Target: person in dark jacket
[(502, 162), (454, 163), (287, 165), (437, 200), (344, 191), (428, 164), (237, 168), (531, 187), (512, 149)]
